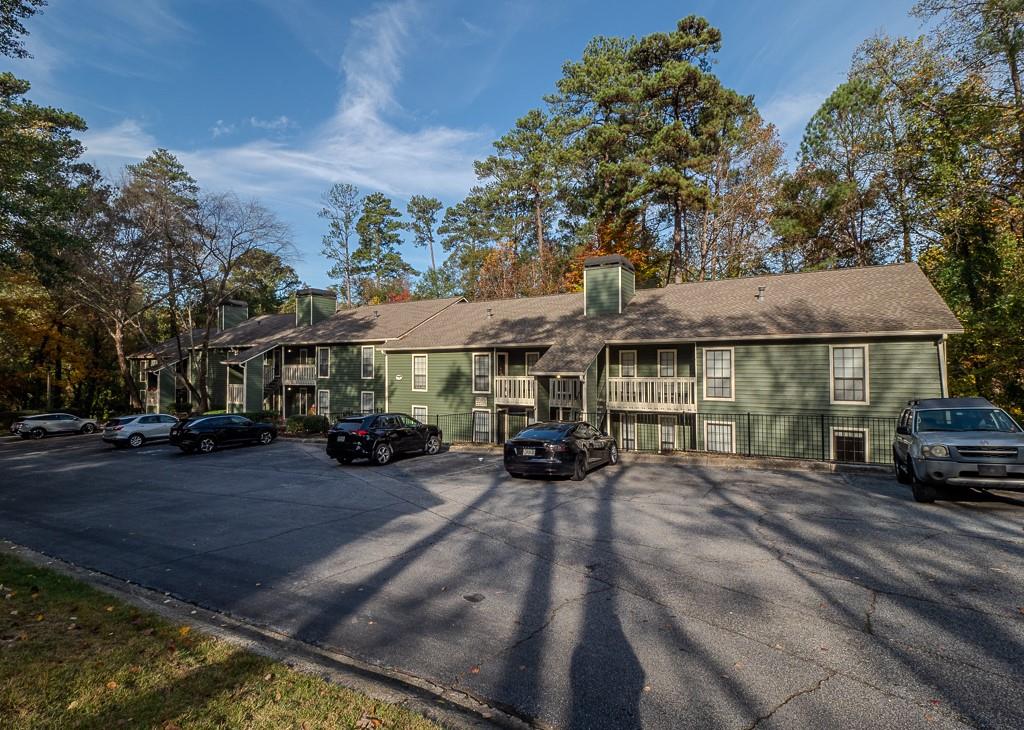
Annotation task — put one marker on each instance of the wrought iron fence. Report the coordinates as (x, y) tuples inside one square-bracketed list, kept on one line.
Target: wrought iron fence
[(815, 436)]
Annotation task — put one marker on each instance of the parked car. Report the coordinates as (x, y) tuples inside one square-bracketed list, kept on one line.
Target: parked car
[(559, 448), (136, 430), (208, 433), (946, 443), (380, 437), (35, 427)]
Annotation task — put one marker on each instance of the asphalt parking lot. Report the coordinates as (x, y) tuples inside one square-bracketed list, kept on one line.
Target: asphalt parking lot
[(654, 594)]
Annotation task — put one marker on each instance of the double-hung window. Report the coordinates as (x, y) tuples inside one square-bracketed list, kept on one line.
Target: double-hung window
[(420, 413), (482, 372), (849, 374), (366, 401), (666, 363), (719, 373), (419, 373), (366, 362), (323, 362), (719, 436), (627, 363)]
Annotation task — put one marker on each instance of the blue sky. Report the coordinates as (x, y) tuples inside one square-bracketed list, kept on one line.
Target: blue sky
[(278, 99)]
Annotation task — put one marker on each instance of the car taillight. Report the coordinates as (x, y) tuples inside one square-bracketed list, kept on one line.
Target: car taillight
[(361, 432)]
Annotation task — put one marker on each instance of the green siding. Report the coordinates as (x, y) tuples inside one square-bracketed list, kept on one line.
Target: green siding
[(167, 386), (602, 290), (216, 380), (628, 286), (254, 384), (449, 383), (232, 315), (345, 381), (312, 308), (647, 359)]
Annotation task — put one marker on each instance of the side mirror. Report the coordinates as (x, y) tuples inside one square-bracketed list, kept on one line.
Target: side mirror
[(903, 430)]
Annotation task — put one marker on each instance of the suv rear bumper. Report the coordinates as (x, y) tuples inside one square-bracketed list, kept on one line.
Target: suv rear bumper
[(957, 474)]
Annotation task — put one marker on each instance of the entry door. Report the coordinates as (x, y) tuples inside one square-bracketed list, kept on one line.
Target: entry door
[(628, 431), (667, 431), (300, 402), (323, 403)]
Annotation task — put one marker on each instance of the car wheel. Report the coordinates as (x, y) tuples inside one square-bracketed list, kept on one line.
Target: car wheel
[(136, 440), (579, 470), (903, 473), (265, 438), (344, 460), (206, 445), (432, 446), (613, 454), (36, 433), (383, 453), (924, 493), (89, 428)]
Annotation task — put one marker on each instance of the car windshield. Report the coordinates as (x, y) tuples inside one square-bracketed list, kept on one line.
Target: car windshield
[(350, 424), (966, 419), (545, 431)]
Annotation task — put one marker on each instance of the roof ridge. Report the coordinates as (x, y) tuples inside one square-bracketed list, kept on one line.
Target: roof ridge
[(780, 274)]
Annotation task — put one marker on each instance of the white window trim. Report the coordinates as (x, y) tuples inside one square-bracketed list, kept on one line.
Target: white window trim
[(732, 433), (373, 401), (426, 373), (859, 429), (664, 420), (490, 424), (675, 363), (732, 374), (500, 356), (526, 361), (318, 362), (832, 375), (318, 411), (472, 372), (636, 364), (426, 413), (373, 361)]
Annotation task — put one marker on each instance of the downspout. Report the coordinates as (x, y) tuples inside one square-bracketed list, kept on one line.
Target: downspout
[(245, 387), (608, 386), (943, 374), (387, 383)]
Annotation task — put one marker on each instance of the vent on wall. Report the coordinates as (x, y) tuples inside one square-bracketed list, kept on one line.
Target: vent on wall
[(760, 293)]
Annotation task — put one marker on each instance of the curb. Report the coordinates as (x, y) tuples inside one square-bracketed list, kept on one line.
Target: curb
[(451, 708), (725, 461)]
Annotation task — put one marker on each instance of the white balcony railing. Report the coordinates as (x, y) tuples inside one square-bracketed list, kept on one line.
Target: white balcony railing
[(565, 392), (515, 390), (299, 375), (668, 395), (236, 394)]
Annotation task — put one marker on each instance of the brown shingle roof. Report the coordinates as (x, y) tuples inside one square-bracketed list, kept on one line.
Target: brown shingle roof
[(369, 323), (873, 299), (166, 352), (253, 331), (869, 300), (498, 323)]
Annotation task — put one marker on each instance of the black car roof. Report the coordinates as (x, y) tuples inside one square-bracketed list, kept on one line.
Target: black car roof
[(952, 403)]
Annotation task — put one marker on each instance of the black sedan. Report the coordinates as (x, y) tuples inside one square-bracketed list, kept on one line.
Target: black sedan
[(379, 437), (207, 433), (559, 448)]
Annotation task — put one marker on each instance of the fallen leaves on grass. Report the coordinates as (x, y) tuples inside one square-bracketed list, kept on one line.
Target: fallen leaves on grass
[(368, 722)]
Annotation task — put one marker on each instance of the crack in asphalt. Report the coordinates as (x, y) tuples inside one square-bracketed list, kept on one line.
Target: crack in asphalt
[(800, 693)]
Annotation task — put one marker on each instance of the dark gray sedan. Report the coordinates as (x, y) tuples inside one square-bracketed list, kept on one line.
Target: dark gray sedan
[(943, 444)]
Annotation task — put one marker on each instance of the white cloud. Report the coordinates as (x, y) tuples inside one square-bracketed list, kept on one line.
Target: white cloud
[(221, 128), (791, 112), (281, 122), (360, 143)]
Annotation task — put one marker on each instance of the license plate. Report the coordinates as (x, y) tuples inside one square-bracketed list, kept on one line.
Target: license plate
[(991, 470), (341, 437), (529, 452)]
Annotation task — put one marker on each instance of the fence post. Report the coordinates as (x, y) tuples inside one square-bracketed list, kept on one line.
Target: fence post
[(824, 453), (749, 452)]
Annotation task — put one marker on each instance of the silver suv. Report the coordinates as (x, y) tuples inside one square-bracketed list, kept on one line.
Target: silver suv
[(35, 427), (138, 429), (946, 443)]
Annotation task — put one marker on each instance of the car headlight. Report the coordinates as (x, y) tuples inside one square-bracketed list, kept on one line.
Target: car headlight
[(937, 451)]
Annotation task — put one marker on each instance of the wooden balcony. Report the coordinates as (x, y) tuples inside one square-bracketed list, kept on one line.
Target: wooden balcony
[(236, 394), (661, 395), (299, 375), (565, 392), (515, 390)]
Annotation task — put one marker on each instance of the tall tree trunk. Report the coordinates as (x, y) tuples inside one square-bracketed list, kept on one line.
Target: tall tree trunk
[(1018, 93), (130, 388), (677, 242), (538, 220), (348, 274)]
